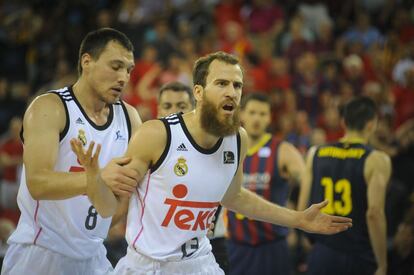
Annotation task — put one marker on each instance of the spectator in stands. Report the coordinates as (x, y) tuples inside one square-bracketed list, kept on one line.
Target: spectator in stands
[(11, 159)]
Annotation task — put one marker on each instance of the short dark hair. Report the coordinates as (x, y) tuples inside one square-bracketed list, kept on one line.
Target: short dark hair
[(358, 112), (200, 70), (177, 87), (255, 96), (95, 42)]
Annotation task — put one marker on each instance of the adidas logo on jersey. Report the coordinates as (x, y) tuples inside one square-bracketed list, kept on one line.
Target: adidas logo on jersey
[(79, 121), (182, 147)]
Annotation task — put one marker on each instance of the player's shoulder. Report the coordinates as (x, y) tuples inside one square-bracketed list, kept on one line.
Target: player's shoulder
[(153, 128), (133, 115), (377, 157), (47, 98), (243, 137), (243, 134), (45, 103), (130, 109), (377, 163), (312, 151), (287, 146)]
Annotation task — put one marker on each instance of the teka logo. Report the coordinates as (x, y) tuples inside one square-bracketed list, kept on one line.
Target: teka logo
[(186, 214)]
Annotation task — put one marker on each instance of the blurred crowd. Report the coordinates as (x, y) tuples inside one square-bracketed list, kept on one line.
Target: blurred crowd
[(309, 56)]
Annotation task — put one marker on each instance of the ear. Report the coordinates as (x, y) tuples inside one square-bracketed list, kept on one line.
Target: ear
[(371, 125), (86, 61), (198, 92)]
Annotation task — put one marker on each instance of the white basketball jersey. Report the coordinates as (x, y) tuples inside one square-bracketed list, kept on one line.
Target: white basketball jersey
[(171, 212), (72, 226)]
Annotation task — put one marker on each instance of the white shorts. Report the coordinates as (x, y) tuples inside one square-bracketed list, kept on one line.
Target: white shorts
[(136, 264), (32, 259)]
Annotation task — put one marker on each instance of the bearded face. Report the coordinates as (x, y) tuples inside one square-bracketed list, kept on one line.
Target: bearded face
[(214, 122)]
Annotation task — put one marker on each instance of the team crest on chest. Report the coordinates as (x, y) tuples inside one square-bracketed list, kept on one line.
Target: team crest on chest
[(181, 168), (82, 137)]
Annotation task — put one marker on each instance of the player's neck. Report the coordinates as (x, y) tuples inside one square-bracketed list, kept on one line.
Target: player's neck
[(354, 137), (87, 98), (255, 140), (200, 136)]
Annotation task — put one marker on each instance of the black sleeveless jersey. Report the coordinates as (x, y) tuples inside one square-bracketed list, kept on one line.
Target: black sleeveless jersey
[(338, 175)]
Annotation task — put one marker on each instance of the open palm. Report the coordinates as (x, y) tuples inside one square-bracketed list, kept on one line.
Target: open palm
[(86, 159), (314, 221)]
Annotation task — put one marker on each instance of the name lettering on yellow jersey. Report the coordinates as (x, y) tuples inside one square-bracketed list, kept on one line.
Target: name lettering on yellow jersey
[(341, 153)]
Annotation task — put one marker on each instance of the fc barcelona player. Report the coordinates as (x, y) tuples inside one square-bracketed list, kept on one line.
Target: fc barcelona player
[(353, 177), (270, 165)]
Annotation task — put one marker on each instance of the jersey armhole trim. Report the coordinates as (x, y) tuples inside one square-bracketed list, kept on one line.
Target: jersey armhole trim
[(127, 119), (314, 158), (164, 154), (67, 123)]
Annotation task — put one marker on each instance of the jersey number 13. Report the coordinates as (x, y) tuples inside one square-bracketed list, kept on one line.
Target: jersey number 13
[(341, 188)]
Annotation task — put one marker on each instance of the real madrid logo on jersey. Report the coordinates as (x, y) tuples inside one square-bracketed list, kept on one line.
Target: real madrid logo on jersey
[(82, 137), (181, 168)]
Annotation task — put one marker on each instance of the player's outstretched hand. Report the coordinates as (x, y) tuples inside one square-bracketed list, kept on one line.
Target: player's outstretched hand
[(314, 221)]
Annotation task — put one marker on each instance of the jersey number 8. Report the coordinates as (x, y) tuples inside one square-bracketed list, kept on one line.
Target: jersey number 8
[(90, 222)]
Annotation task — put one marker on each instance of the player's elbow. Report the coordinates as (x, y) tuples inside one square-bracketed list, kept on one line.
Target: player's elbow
[(105, 212), (375, 213), (105, 208), (233, 201), (34, 185)]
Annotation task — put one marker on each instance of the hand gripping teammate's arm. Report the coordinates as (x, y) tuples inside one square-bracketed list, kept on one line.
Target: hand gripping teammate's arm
[(247, 203), (377, 171), (145, 148)]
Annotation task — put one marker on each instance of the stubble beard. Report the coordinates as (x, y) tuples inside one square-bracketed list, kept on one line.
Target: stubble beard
[(211, 123)]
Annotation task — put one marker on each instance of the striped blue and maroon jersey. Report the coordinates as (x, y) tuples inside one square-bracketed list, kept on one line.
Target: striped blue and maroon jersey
[(261, 175)]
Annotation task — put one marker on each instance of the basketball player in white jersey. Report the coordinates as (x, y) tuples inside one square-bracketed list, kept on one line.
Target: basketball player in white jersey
[(189, 164), (59, 231)]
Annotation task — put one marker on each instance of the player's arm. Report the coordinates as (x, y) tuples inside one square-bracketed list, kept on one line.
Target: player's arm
[(247, 203), (43, 121), (291, 162), (306, 181), (377, 172), (291, 165), (144, 149)]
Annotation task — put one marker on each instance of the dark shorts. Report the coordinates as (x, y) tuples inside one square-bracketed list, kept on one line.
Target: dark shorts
[(324, 260), (271, 258), (219, 250)]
